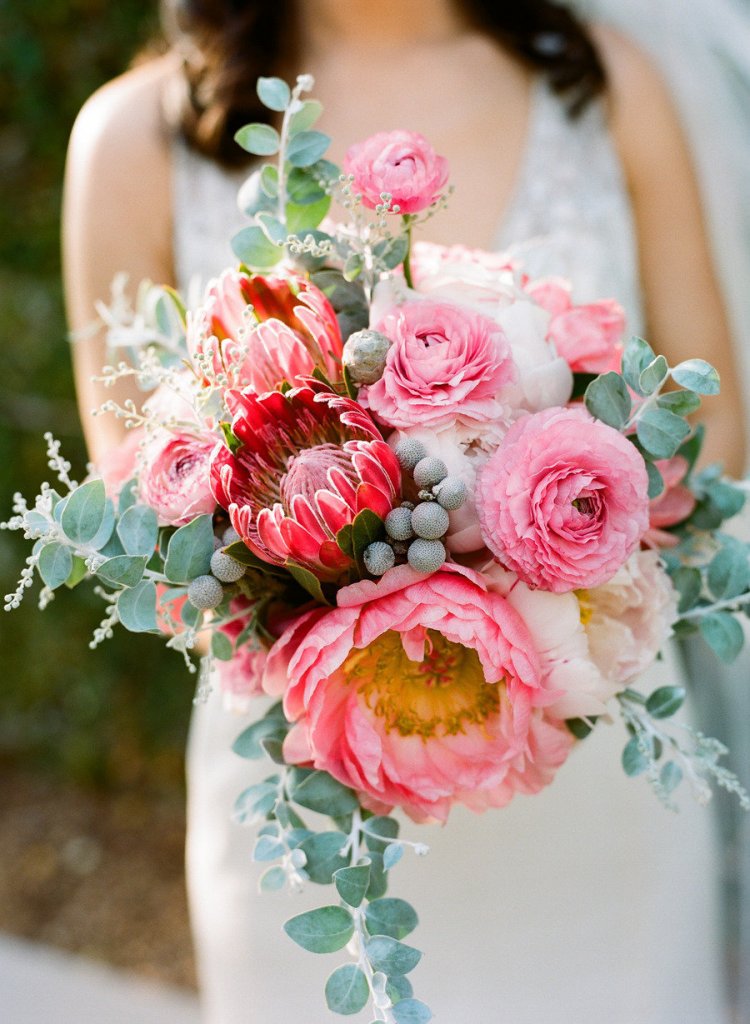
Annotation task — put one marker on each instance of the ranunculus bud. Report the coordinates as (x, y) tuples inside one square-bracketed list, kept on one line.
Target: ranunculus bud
[(364, 355)]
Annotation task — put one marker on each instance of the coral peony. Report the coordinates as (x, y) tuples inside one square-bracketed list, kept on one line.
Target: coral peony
[(588, 336), (419, 692), (401, 163), (445, 364), (174, 476), (564, 500), (261, 331), (305, 464)]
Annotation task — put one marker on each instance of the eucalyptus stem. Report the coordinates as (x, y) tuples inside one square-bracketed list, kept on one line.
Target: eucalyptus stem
[(708, 609)]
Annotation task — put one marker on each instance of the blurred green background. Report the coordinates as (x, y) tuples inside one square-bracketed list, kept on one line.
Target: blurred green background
[(118, 715)]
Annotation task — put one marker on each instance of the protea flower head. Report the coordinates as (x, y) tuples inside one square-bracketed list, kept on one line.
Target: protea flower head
[(259, 331), (305, 464)]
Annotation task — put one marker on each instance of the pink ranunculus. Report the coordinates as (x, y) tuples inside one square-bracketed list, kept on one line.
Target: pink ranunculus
[(400, 163), (419, 692), (675, 504), (563, 502), (241, 678), (445, 364), (174, 477), (630, 618), (589, 336)]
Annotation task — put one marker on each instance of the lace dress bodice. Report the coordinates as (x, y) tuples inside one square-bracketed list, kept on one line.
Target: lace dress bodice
[(569, 215)]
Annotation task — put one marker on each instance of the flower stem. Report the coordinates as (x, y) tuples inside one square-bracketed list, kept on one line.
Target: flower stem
[(407, 258)]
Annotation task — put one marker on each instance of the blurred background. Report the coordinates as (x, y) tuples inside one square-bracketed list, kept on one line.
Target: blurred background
[(91, 742)]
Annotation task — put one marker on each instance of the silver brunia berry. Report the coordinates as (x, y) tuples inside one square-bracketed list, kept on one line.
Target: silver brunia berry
[(205, 592)]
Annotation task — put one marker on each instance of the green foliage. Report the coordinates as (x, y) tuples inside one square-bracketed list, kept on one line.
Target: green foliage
[(306, 148), (55, 564), (347, 990), (138, 530), (258, 139), (189, 551), (665, 702), (252, 247), (319, 792), (352, 883), (83, 515), (136, 608), (391, 916), (411, 1011), (607, 398), (274, 93), (390, 956), (723, 633), (324, 930), (323, 852)]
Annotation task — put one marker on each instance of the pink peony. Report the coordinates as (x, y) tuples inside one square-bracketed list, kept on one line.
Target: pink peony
[(630, 618), (675, 504), (260, 331), (241, 678), (445, 364), (174, 477), (588, 336), (419, 692), (564, 500), (401, 163)]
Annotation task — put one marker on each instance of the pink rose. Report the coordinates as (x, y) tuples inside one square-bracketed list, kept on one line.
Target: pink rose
[(674, 504), (418, 692), (588, 336), (445, 364), (630, 618), (401, 163), (241, 678), (564, 500), (174, 478)]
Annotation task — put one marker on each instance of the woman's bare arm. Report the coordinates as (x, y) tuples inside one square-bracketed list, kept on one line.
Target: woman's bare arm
[(684, 308), (116, 217)]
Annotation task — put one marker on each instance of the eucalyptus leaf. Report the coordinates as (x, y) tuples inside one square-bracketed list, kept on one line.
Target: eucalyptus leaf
[(123, 570), (378, 876), (258, 139), (254, 801), (55, 564), (221, 646), (353, 266), (251, 246), (269, 180), (634, 762), (128, 496), (190, 550), (379, 832), (301, 219), (608, 400), (77, 573), (136, 607), (729, 572), (273, 93), (324, 930), (665, 702), (303, 187), (682, 403), (689, 584), (272, 880), (318, 791), (273, 229), (138, 530), (268, 848), (392, 855), (661, 432), (654, 375), (723, 633), (248, 743), (305, 116), (323, 852), (391, 916), (84, 511), (306, 148), (697, 375), (352, 883), (655, 481), (390, 956), (252, 198), (411, 1011), (637, 355), (347, 990), (103, 534), (670, 776)]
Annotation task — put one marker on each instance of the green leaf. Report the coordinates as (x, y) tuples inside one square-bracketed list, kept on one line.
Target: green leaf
[(258, 139), (399, 987), (352, 883), (272, 879), (319, 792), (252, 198), (138, 530), (231, 440), (321, 931), (269, 180), (77, 573), (661, 432), (697, 375), (306, 148), (255, 800), (670, 776), (391, 956), (136, 607), (353, 266), (411, 1011), (392, 855), (347, 990), (653, 376), (634, 762), (303, 187), (637, 356), (123, 570), (580, 727), (392, 251), (248, 743), (221, 646), (268, 848), (273, 229), (304, 118), (84, 512), (655, 481), (104, 532), (128, 496), (379, 832), (323, 852), (301, 219), (342, 294), (307, 580), (366, 528), (729, 571), (344, 538), (251, 246), (689, 583), (391, 916), (55, 564), (729, 500), (190, 549), (723, 633), (691, 449), (273, 93), (378, 877), (681, 403), (665, 702), (608, 400), (240, 552)]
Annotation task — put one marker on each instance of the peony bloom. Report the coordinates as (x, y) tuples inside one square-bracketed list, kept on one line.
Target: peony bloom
[(630, 618), (563, 502), (260, 331), (241, 678), (675, 504), (400, 163), (306, 464), (445, 364), (419, 692), (174, 475), (588, 336)]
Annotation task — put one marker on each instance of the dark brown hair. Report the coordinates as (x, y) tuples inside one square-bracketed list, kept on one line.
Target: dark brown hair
[(227, 44)]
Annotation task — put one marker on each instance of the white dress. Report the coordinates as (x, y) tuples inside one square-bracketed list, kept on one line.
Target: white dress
[(586, 904)]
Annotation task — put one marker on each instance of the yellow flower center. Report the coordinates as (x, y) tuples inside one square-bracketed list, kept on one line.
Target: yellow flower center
[(439, 696), (586, 608)]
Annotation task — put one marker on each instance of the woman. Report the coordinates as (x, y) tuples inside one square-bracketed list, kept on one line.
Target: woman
[(589, 901)]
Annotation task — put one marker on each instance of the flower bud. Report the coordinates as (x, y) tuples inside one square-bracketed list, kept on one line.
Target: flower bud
[(364, 355), (379, 558)]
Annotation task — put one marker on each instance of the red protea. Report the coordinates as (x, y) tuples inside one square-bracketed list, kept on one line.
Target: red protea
[(307, 462), (259, 331)]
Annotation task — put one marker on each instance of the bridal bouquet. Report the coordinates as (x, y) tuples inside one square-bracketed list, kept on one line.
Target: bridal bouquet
[(437, 509)]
